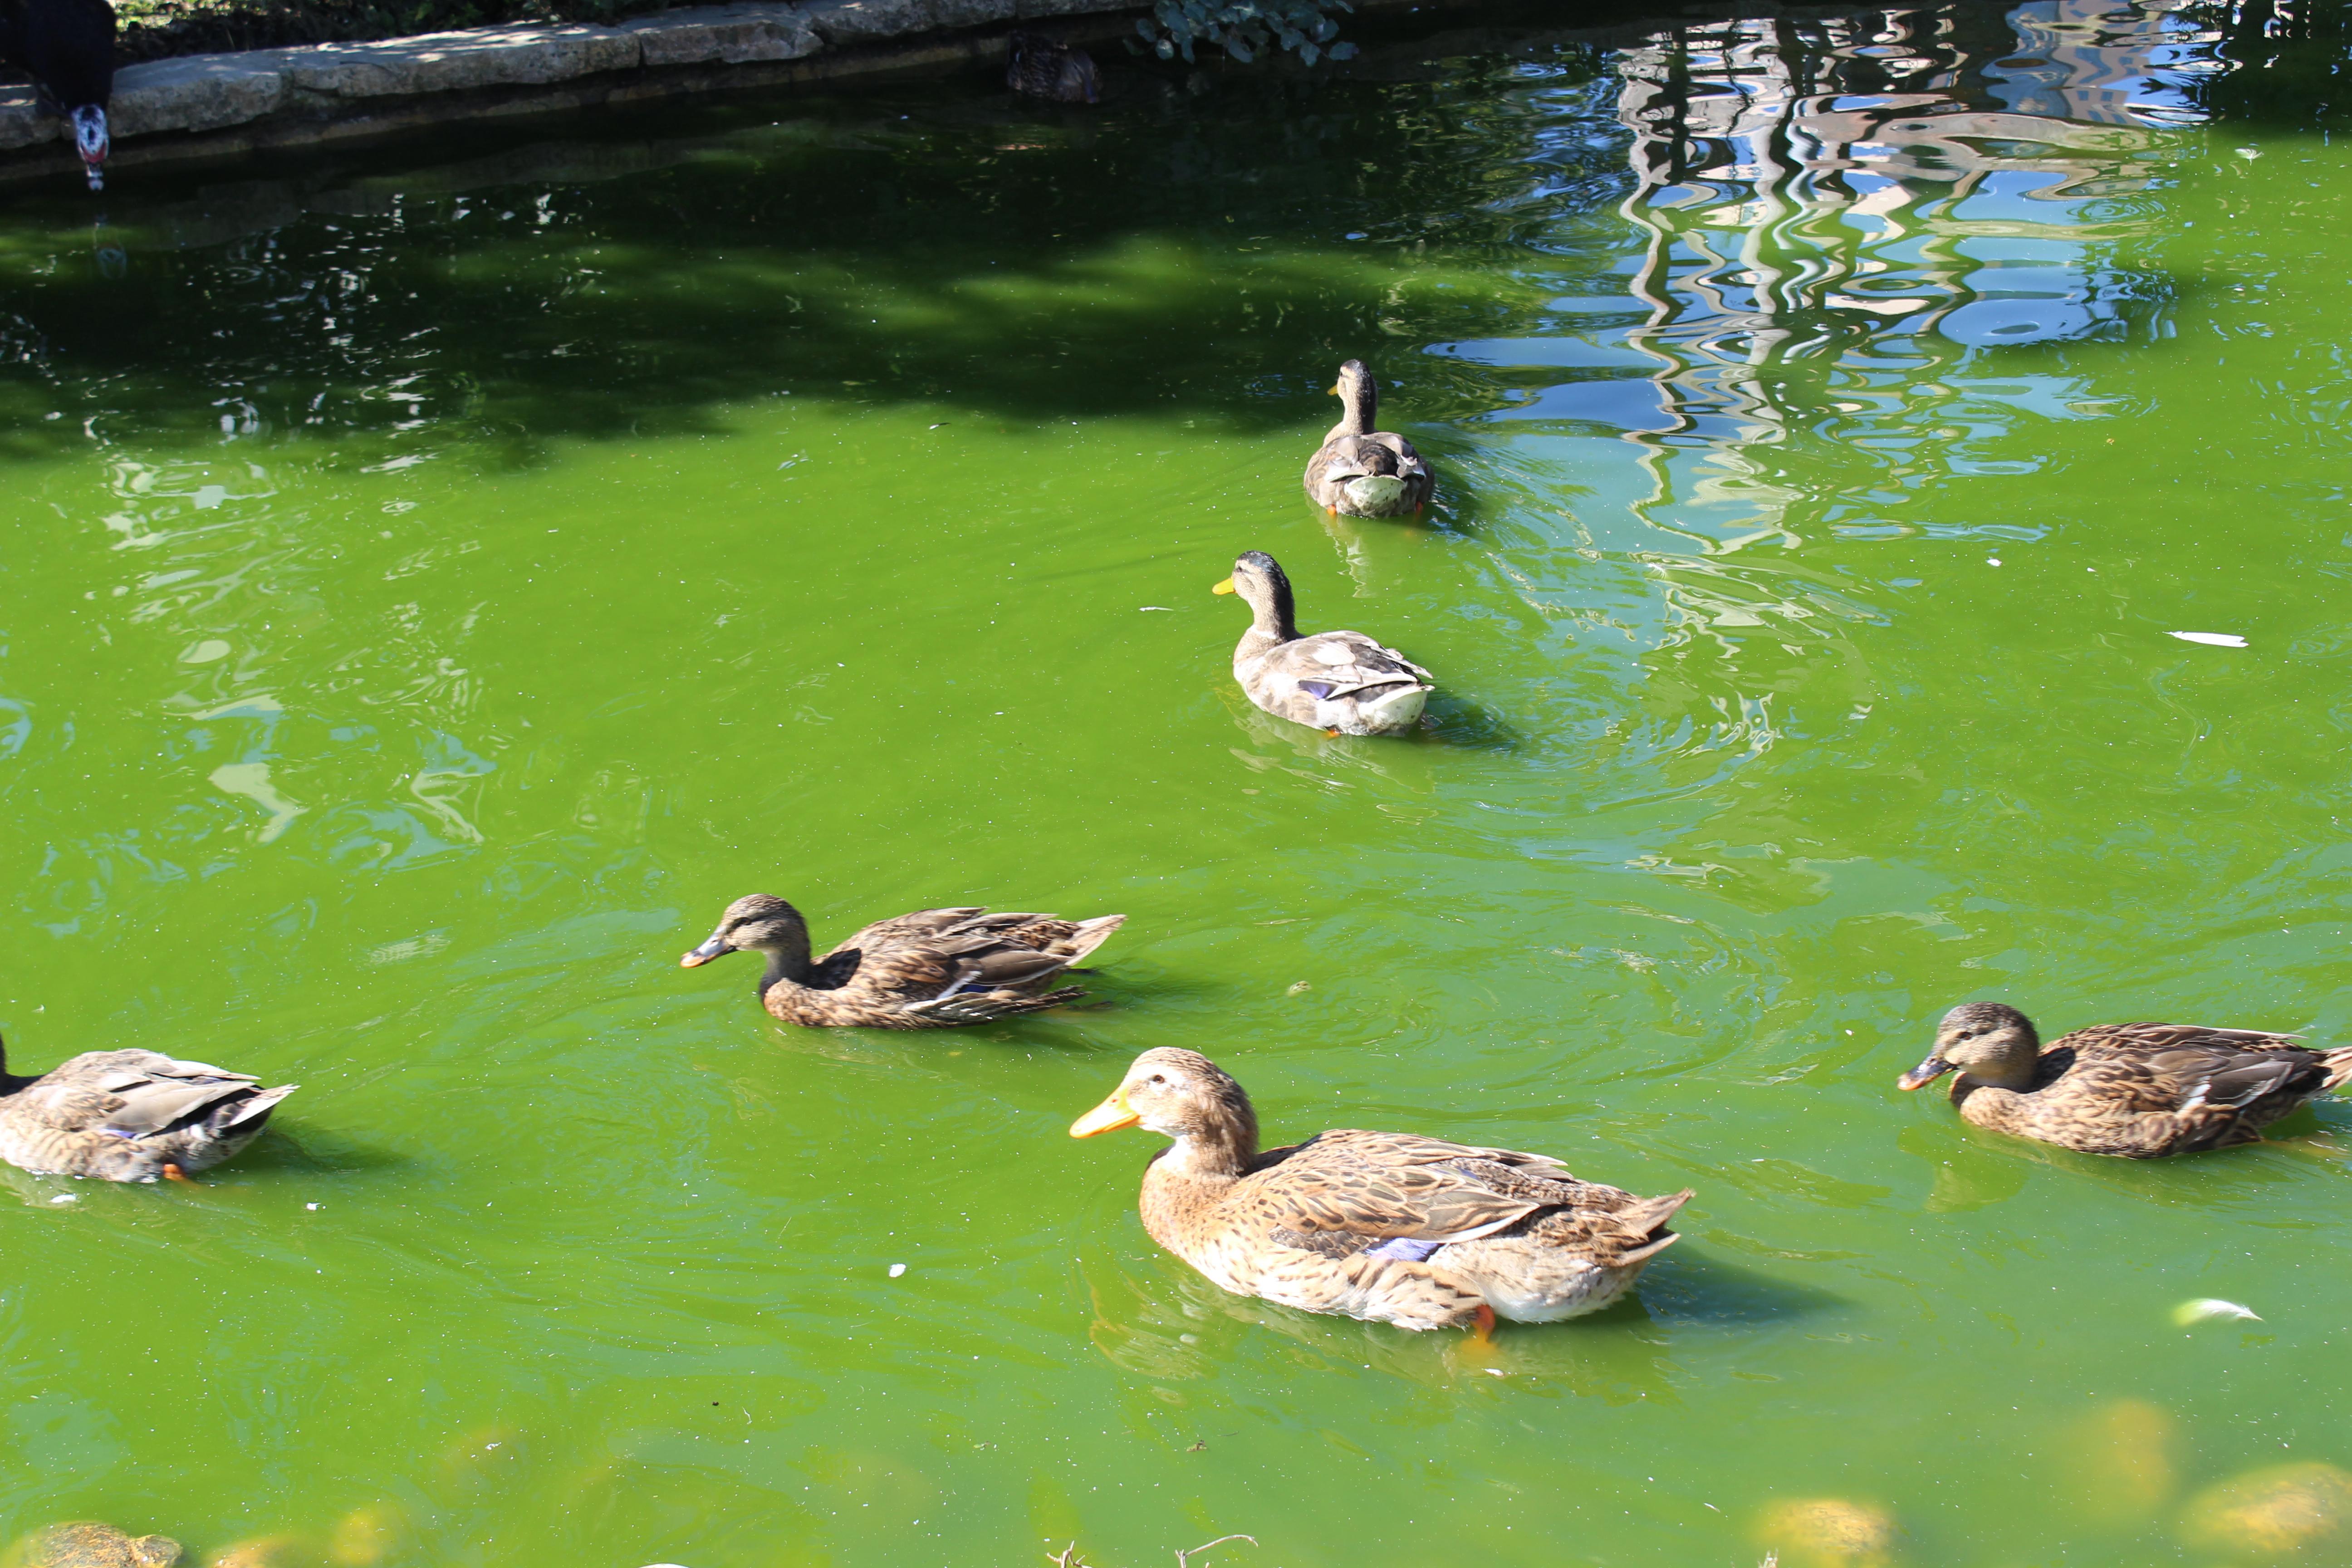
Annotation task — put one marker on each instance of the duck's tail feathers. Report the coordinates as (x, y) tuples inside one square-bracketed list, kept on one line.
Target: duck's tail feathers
[(1644, 1219), (987, 1006), (1088, 936), (2339, 1063), (250, 1112), (1648, 1249), (1393, 707)]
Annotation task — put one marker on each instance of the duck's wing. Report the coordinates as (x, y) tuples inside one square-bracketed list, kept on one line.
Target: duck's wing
[(1350, 457), (964, 965), (1332, 665), (2180, 1069), (1395, 1186), (133, 1094)]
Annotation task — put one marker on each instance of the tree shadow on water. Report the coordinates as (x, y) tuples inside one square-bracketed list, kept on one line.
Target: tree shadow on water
[(1181, 255)]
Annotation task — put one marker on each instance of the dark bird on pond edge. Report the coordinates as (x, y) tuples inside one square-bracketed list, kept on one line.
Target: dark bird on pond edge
[(1040, 66), (66, 46)]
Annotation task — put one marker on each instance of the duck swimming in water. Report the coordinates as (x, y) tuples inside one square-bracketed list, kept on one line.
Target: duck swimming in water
[(1341, 682), (1361, 472), (1385, 1225), (130, 1116), (930, 970), (2140, 1090)]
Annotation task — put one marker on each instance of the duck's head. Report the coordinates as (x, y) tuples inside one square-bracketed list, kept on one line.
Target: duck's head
[(1991, 1041), (91, 141), (1258, 578), (754, 922), (1354, 380), (1180, 1093)]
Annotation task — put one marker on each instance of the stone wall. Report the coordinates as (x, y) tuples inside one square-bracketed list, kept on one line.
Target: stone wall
[(207, 105)]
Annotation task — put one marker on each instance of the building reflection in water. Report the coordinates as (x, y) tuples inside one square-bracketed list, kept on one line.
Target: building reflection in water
[(1841, 212)]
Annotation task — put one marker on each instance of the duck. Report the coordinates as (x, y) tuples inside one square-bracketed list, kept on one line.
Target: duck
[(1388, 1227), (1038, 67), (1362, 471), (66, 46), (932, 969), (130, 1116), (1342, 682), (2139, 1090)]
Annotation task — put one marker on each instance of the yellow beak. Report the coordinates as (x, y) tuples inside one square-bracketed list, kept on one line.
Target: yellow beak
[(1108, 1117), (1225, 587), (1338, 390)]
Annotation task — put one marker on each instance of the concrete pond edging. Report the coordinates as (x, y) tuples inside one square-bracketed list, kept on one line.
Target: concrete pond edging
[(330, 91)]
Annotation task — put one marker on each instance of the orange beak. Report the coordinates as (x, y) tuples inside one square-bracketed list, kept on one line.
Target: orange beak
[(1110, 1116), (1225, 587)]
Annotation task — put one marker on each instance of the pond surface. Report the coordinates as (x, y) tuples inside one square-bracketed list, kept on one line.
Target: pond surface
[(439, 579)]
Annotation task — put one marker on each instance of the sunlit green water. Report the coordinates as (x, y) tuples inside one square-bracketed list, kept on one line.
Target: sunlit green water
[(436, 583)]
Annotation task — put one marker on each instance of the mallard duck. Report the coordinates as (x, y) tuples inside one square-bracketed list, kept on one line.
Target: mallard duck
[(129, 1116), (2141, 1090), (928, 970), (1040, 66), (1341, 682), (1385, 1225), (1361, 472), (66, 46)]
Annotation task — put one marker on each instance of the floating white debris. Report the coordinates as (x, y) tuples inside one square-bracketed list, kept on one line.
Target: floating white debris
[(2212, 1310), (67, 1198), (898, 1268), (2211, 639), (309, 1206), (1992, 560), (1170, 608)]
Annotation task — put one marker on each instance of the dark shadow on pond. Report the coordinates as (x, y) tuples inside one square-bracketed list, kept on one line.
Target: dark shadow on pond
[(1209, 245)]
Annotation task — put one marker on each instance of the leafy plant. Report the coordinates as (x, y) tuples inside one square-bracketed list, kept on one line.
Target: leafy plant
[(1245, 28)]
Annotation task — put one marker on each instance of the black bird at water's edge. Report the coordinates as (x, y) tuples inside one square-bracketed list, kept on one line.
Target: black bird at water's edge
[(66, 46), (1040, 66)]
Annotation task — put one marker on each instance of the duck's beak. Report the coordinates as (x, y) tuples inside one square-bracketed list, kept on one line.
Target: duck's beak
[(1108, 1117), (1225, 587), (1925, 1073), (715, 948)]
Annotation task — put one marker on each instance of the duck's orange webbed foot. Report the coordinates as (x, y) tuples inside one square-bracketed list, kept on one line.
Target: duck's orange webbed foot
[(1330, 511), (1482, 1325), (172, 1172)]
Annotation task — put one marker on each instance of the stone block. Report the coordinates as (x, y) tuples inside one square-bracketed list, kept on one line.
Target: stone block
[(452, 62), (22, 125), (723, 35), (874, 21), (195, 93)]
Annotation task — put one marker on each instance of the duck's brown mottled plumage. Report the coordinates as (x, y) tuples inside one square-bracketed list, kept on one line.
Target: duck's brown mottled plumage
[(124, 1116), (2140, 1090), (1361, 472), (1320, 1224), (1341, 682), (928, 970)]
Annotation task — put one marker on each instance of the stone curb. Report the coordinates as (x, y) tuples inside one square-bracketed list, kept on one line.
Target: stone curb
[(327, 82)]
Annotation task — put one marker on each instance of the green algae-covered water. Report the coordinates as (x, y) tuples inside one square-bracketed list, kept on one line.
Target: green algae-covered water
[(437, 579)]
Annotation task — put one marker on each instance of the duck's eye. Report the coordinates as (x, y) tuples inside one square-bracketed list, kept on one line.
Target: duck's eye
[(1156, 1078)]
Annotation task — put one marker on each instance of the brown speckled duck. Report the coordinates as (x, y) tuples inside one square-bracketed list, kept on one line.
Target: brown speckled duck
[(928, 970), (1384, 1225), (130, 1116), (1361, 472), (1341, 682), (2140, 1090)]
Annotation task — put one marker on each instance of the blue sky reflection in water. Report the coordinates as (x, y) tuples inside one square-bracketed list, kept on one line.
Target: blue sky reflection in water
[(441, 576)]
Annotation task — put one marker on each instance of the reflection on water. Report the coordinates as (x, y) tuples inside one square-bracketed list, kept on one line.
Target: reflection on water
[(1842, 214)]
